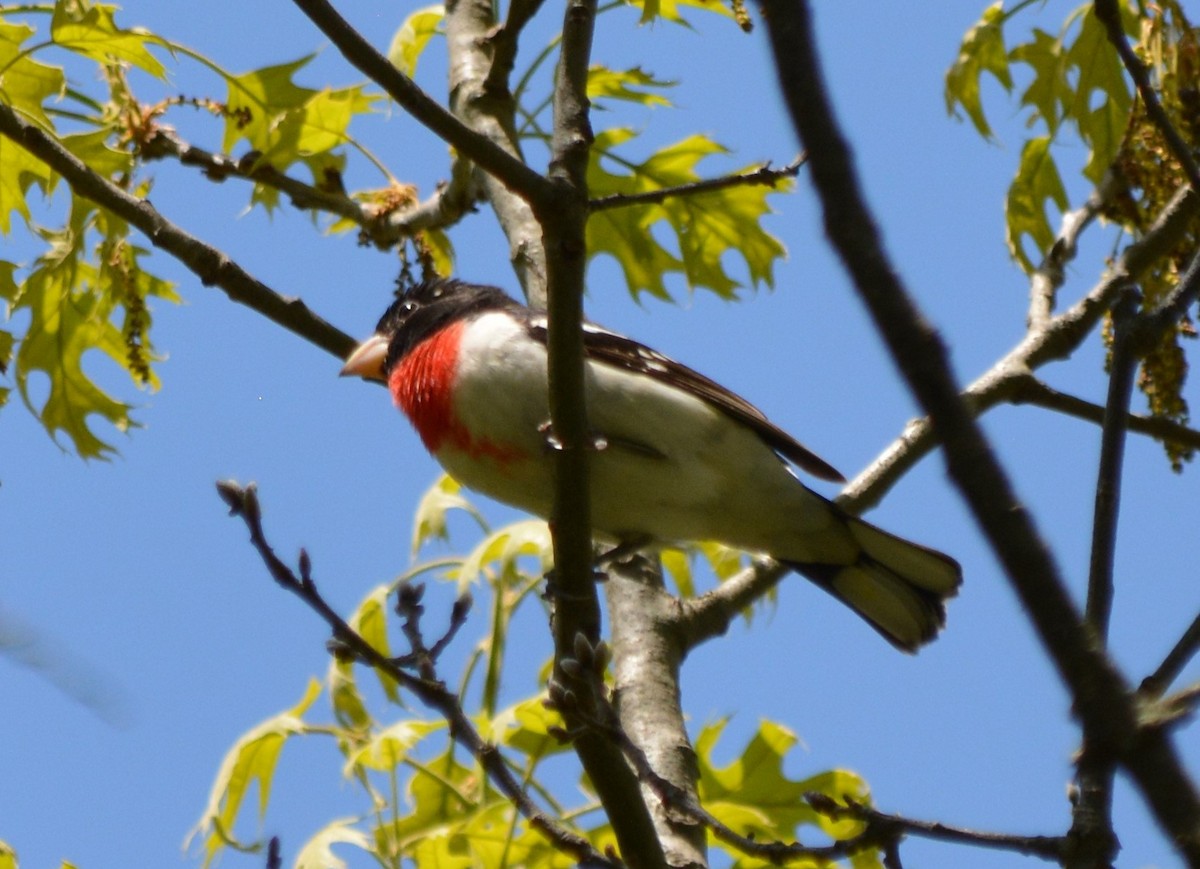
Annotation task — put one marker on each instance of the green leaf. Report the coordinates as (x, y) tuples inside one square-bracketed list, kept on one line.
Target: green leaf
[(26, 84), (387, 749), (1049, 91), (93, 149), (1100, 83), (348, 706), (501, 549), (1037, 181), (251, 760), (525, 727), (678, 565), (8, 857), (412, 37), (91, 30), (68, 319), (707, 227), (671, 10), (369, 620), (256, 101), (18, 171), (982, 50), (429, 521), (630, 85), (285, 122), (317, 852), (754, 796)]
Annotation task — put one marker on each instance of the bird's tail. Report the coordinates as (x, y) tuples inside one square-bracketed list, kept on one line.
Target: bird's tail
[(898, 586)]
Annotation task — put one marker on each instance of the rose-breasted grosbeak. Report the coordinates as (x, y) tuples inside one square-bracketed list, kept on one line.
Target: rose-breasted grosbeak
[(678, 458)]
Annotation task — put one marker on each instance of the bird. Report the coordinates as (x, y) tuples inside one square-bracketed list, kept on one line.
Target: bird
[(678, 458)]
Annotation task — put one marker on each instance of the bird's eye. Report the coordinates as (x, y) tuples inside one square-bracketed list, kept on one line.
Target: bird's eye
[(408, 307)]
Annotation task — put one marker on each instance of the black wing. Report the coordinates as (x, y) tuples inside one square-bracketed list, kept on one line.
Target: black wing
[(619, 351)]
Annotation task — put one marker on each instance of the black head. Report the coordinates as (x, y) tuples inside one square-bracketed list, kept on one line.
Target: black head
[(430, 305)]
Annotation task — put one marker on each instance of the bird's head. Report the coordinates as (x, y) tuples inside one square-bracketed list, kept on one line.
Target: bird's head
[(416, 314)]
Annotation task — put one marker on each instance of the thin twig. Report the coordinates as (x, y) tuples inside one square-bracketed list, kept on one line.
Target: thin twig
[(205, 261), (1031, 390), (764, 175), (445, 207), (1180, 655), (1045, 847), (243, 502), (1123, 367)]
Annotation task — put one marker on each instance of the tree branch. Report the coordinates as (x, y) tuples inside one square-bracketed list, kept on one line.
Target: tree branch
[(480, 97), (1030, 390), (509, 169), (1045, 847), (1051, 272), (1101, 697), (709, 615), (1168, 671), (576, 621), (648, 651), (206, 262), (763, 175), (1109, 15), (445, 207), (243, 502)]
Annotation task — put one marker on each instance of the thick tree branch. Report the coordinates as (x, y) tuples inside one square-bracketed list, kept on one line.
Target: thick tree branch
[(209, 264), (480, 97), (243, 502), (1101, 697), (518, 177), (764, 175), (576, 605), (647, 653)]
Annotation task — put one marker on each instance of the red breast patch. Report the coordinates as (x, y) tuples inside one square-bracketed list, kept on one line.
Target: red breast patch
[(422, 386)]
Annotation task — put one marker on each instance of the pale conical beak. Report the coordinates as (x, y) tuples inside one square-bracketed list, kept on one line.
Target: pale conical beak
[(367, 359)]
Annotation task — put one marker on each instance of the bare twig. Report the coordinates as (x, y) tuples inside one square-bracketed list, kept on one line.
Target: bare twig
[(1030, 390), (1045, 847), (243, 502), (1179, 656), (208, 263), (1112, 453), (1093, 842), (764, 175), (445, 207)]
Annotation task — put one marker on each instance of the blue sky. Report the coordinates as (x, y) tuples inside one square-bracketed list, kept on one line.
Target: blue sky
[(139, 590)]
